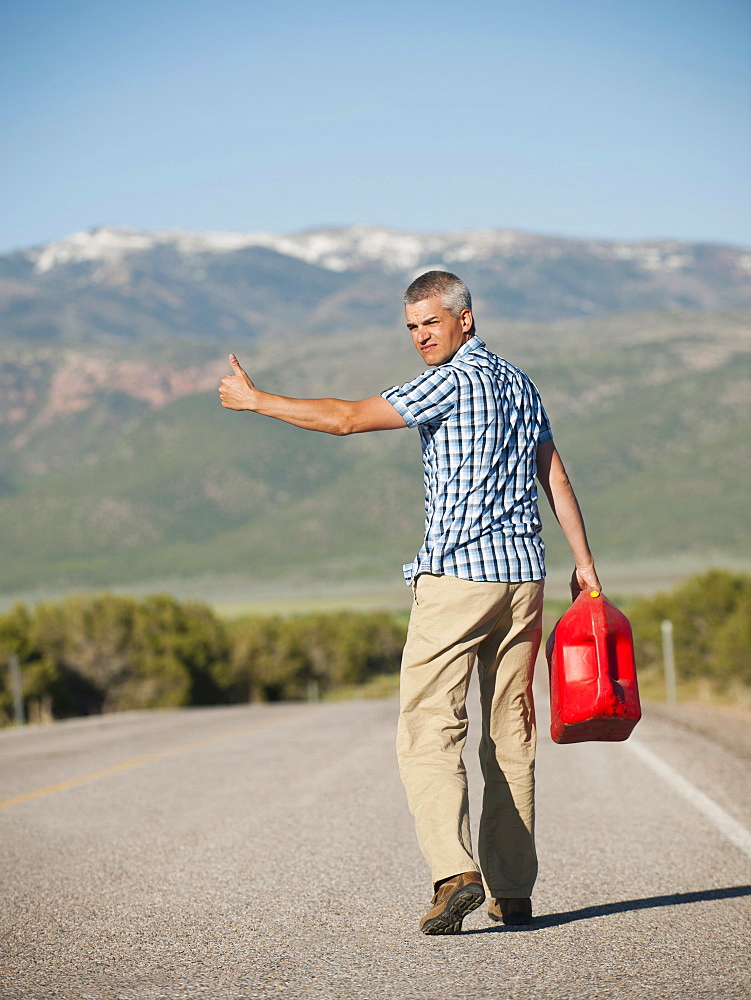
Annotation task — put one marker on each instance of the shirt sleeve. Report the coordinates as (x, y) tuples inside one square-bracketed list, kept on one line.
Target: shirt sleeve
[(427, 399), (546, 433)]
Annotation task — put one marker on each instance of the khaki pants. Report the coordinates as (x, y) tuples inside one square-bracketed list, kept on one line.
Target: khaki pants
[(453, 623)]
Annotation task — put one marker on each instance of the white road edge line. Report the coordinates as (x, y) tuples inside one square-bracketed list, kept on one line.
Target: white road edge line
[(735, 832)]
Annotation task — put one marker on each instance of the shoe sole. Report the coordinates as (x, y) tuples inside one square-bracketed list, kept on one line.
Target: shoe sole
[(464, 900), (513, 919)]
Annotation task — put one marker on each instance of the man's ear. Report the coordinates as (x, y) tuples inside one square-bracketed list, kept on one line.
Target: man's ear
[(467, 320)]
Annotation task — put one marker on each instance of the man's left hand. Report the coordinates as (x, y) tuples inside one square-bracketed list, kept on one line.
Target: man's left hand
[(584, 578)]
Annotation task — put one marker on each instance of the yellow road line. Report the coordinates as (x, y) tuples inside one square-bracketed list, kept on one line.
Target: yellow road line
[(124, 765)]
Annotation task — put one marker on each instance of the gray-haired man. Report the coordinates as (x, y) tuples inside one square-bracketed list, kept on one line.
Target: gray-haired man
[(477, 583)]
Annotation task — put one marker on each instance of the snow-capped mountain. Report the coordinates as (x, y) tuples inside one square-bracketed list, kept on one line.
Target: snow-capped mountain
[(118, 464), (125, 283), (363, 247)]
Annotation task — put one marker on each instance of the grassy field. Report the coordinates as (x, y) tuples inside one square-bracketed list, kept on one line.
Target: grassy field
[(233, 597)]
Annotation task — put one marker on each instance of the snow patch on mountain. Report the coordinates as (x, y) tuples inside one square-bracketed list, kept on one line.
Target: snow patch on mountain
[(371, 247), (109, 244), (342, 249)]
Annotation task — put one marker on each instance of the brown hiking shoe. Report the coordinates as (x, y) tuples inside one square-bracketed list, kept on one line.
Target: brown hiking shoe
[(511, 911), (453, 900)]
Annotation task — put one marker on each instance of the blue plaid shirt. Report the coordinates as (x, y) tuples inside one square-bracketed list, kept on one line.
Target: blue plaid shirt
[(480, 421)]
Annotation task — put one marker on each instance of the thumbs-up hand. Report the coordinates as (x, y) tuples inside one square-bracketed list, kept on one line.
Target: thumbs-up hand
[(236, 391)]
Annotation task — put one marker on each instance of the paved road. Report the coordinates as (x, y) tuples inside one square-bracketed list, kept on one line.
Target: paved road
[(266, 851)]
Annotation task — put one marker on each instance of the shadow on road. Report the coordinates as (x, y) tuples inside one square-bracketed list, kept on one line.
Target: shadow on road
[(606, 909)]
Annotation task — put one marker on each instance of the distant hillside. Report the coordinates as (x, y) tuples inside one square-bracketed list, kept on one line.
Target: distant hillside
[(117, 463), (113, 285)]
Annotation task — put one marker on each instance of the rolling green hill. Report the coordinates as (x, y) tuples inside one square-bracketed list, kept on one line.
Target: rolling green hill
[(118, 465)]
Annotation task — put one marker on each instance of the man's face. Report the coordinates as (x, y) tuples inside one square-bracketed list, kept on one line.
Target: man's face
[(437, 334)]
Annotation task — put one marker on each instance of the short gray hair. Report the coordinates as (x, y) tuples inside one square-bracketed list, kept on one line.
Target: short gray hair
[(452, 290)]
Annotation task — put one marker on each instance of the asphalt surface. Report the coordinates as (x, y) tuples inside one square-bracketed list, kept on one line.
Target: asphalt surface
[(267, 851)]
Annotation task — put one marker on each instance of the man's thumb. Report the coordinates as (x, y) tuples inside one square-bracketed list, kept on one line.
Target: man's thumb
[(236, 365)]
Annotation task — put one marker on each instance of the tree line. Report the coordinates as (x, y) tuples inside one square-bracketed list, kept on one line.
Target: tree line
[(104, 653), (711, 616)]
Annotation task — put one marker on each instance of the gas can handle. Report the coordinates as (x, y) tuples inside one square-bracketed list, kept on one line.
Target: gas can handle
[(601, 651)]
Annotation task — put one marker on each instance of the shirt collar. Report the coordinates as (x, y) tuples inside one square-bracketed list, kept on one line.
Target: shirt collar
[(472, 344)]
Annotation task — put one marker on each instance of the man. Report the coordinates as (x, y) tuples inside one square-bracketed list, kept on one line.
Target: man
[(477, 585)]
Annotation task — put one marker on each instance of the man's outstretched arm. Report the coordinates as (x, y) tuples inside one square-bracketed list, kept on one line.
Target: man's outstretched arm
[(563, 503), (331, 416)]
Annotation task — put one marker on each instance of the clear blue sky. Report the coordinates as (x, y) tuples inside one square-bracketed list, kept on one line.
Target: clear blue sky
[(624, 120)]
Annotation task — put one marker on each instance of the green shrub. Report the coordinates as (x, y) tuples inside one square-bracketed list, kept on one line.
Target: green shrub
[(105, 653), (275, 658), (711, 616), (88, 654)]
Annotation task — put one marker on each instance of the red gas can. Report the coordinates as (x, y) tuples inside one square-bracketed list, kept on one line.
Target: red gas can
[(593, 689)]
